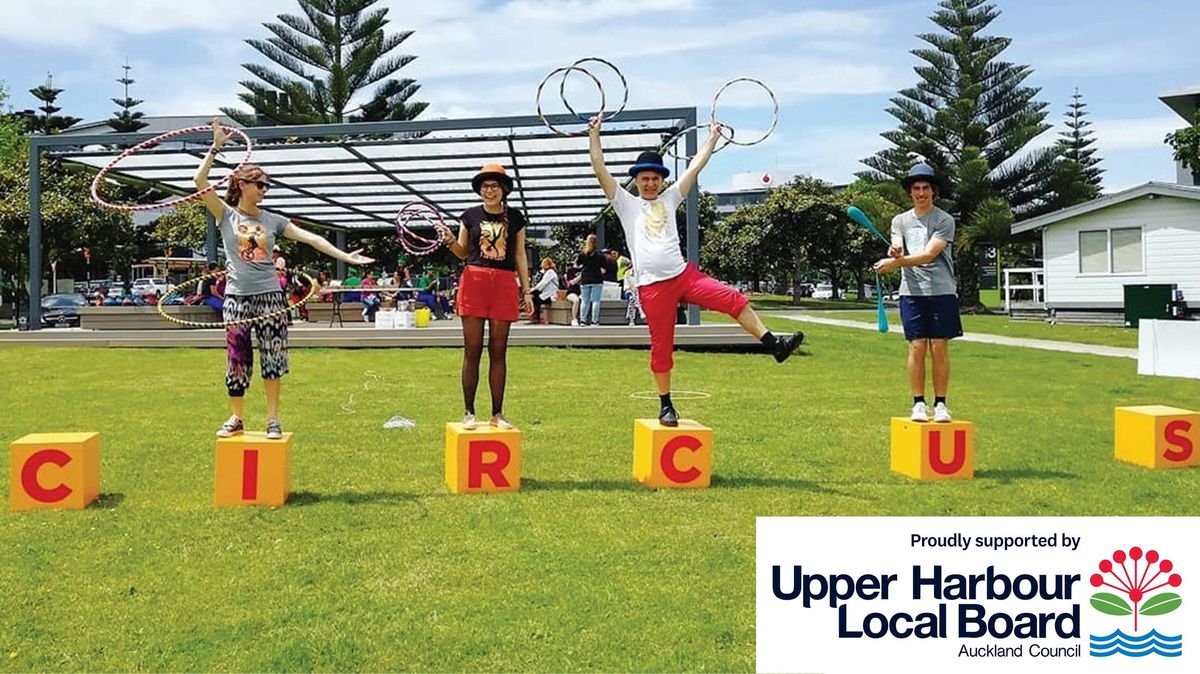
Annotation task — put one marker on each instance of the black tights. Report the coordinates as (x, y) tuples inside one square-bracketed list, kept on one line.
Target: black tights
[(497, 365)]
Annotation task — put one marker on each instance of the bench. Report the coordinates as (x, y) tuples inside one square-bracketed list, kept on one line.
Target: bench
[(144, 318), (612, 312), (322, 312)]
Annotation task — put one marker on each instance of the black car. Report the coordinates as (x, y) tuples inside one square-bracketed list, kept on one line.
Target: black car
[(61, 310)]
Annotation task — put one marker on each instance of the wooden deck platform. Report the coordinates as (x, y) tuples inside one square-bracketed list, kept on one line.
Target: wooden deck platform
[(366, 336)]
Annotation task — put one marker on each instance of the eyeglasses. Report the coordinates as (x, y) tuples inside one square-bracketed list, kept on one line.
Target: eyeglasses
[(262, 184), (489, 186)]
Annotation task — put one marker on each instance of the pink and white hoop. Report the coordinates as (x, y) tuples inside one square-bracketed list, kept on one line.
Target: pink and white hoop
[(96, 182), (411, 241)]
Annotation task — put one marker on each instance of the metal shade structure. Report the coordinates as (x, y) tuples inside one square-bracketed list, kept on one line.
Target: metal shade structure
[(354, 177)]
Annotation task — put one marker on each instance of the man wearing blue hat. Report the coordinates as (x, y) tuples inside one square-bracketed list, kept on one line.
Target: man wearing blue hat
[(662, 277), (922, 248)]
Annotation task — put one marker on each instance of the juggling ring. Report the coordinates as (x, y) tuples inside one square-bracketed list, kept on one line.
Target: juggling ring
[(312, 291), (562, 93), (774, 103), (155, 141), (538, 99), (412, 242), (668, 148), (727, 131), (675, 395)]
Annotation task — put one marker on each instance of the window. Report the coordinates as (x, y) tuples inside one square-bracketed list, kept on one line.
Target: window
[(1093, 252), (1127, 251), (1111, 251)]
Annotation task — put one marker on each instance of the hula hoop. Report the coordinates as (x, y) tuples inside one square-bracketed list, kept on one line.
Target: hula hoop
[(412, 242), (151, 143), (312, 291), (675, 395), (669, 146), (562, 93), (774, 102), (538, 99)]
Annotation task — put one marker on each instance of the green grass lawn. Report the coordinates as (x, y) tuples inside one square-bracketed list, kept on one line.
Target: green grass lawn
[(993, 324), (373, 565)]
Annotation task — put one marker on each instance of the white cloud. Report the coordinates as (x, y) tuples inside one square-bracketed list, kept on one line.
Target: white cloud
[(78, 23), (1119, 134), (1124, 134)]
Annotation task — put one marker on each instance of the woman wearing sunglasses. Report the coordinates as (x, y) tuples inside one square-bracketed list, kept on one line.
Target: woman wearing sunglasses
[(491, 239), (252, 289)]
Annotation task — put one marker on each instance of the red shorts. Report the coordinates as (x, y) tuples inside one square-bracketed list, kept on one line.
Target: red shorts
[(659, 301), (485, 292)]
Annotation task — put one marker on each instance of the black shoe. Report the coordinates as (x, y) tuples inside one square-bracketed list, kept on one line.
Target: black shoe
[(784, 346), (667, 416)]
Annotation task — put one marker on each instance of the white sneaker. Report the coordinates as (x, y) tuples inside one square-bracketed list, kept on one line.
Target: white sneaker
[(919, 412), (469, 422), (574, 323), (941, 414), (500, 422)]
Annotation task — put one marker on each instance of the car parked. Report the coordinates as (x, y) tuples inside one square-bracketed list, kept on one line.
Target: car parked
[(823, 291), (61, 310), (150, 286)]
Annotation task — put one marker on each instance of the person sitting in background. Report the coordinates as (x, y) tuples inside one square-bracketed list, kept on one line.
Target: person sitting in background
[(545, 289), (323, 281), (403, 276), (610, 265), (213, 295), (352, 281), (370, 301), (428, 294), (574, 279)]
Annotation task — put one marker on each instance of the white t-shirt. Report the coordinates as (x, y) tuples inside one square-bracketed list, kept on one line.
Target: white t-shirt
[(548, 285), (651, 234)]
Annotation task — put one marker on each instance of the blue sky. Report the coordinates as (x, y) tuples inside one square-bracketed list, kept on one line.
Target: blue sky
[(833, 64)]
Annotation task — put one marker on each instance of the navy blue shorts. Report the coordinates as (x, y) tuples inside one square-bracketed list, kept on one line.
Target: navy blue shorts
[(930, 317)]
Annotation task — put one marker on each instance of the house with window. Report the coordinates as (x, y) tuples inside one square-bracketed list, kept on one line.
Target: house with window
[(1149, 234)]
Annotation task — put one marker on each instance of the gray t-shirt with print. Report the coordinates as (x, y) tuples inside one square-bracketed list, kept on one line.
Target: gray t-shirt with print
[(936, 277), (248, 240)]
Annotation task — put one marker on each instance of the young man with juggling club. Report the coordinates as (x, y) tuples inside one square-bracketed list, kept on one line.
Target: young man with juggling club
[(922, 248)]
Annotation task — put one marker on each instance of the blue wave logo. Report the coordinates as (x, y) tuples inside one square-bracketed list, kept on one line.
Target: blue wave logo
[(1135, 646)]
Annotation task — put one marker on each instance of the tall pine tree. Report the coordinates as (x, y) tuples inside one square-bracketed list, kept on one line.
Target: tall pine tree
[(1076, 141), (127, 120), (971, 117), (336, 49), (1076, 177), (49, 122)]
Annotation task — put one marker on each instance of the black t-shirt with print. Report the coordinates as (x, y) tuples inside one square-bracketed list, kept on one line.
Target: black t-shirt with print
[(492, 242)]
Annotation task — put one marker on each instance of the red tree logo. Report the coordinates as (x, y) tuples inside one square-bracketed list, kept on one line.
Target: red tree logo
[(1136, 584)]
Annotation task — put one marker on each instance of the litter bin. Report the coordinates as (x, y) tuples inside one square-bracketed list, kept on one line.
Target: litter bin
[(1149, 301)]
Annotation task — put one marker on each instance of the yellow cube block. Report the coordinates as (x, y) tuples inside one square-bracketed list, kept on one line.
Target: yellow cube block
[(54, 471), (1156, 436), (252, 470), (933, 451), (678, 457), (486, 459)]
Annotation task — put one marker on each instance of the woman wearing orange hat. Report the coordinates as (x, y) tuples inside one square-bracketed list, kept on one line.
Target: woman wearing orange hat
[(491, 239)]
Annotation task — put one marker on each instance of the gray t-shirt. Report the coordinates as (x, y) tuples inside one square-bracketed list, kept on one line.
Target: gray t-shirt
[(248, 241), (934, 278)]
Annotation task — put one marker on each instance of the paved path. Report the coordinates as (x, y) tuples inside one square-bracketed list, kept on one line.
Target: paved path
[(1045, 344)]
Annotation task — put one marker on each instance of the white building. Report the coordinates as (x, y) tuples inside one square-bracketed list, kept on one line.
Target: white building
[(1149, 234)]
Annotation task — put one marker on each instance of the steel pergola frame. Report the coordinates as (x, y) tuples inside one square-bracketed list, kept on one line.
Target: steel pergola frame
[(354, 177)]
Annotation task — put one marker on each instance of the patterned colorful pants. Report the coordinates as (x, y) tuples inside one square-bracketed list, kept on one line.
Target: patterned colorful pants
[(272, 339)]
